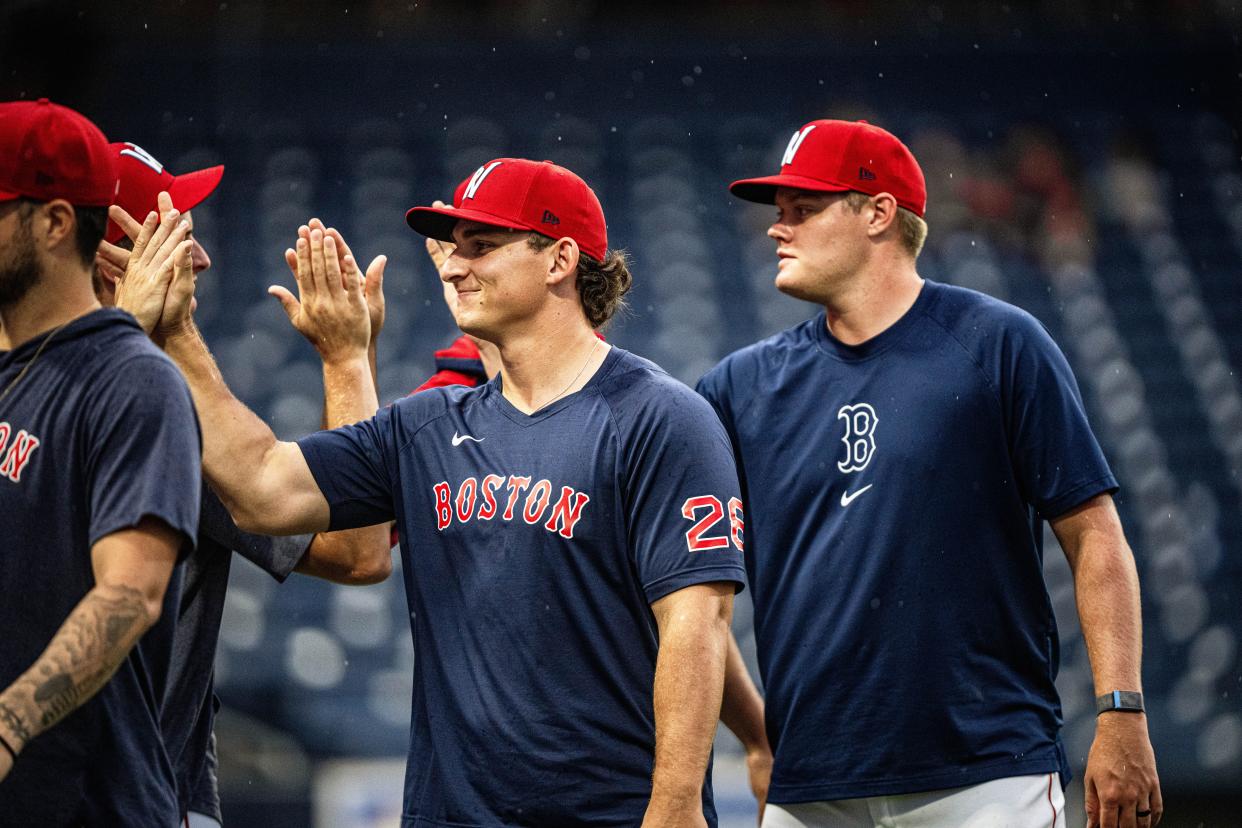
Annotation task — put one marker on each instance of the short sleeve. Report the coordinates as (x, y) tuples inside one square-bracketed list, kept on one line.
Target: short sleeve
[(278, 556), (1057, 458), (354, 467), (714, 387), (684, 507), (708, 389), (144, 451)]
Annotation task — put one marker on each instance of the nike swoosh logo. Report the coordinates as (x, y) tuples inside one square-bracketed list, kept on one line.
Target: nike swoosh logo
[(847, 498), (458, 439)]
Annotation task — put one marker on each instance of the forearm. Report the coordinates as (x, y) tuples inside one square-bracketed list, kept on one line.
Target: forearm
[(689, 684), (373, 364), (741, 708), (1107, 593), (348, 390), (236, 442), (352, 556), (82, 656)]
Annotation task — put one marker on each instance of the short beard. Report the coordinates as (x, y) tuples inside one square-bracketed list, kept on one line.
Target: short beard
[(21, 272)]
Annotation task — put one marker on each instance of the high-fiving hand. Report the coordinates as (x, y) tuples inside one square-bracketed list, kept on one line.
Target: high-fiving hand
[(157, 285), (338, 309)]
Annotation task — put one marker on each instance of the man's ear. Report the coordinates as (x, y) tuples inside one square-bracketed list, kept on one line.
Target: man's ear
[(58, 223), (564, 262), (883, 214)]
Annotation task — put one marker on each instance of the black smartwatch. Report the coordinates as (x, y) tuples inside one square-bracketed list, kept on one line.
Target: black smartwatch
[(1124, 701)]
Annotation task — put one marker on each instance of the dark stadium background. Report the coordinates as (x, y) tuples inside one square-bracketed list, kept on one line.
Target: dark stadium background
[(1083, 162)]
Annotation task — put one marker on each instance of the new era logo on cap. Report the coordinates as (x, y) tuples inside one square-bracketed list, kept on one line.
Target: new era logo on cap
[(520, 194), (838, 156)]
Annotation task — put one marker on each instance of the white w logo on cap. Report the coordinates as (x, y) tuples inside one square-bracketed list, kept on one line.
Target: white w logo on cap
[(135, 151), (475, 180), (795, 143)]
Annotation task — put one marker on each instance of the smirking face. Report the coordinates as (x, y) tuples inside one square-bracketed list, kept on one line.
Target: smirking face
[(820, 243), (499, 281)]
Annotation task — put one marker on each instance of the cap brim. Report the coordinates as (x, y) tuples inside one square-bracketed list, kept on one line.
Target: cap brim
[(438, 222), (186, 191), (763, 190), (191, 189)]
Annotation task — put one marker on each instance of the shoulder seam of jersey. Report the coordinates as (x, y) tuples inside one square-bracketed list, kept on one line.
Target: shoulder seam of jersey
[(970, 357), (772, 342), (418, 430)]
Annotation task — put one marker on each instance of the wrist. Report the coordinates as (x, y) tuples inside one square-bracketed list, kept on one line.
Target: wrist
[(1125, 702), (676, 798), (346, 358), (758, 751), (174, 335), (9, 743)]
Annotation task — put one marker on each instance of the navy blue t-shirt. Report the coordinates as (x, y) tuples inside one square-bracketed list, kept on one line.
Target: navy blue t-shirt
[(100, 433), (894, 493), (533, 547), (189, 710)]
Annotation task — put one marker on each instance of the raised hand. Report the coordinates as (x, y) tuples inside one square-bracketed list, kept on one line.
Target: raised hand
[(159, 243), (331, 309), (112, 260), (373, 280)]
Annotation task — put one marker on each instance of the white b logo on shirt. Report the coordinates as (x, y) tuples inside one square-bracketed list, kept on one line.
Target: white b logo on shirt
[(860, 422), (480, 174), (795, 143)]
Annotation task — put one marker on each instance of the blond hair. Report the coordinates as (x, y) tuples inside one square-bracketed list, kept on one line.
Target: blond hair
[(911, 229)]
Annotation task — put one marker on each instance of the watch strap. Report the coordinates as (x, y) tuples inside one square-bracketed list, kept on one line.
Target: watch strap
[(1125, 701)]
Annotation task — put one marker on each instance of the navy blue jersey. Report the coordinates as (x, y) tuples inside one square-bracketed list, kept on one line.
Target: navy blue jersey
[(533, 547), (895, 492), (188, 714), (99, 433)]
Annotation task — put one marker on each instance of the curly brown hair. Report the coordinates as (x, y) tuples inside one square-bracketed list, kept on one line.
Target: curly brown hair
[(602, 285)]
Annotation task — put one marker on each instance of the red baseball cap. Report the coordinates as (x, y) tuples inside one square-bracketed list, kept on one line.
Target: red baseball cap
[(838, 156), (142, 179), (48, 151), (521, 195)]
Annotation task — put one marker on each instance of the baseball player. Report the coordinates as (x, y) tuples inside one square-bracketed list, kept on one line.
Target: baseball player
[(899, 453), (573, 526), (470, 361), (361, 556), (99, 492)]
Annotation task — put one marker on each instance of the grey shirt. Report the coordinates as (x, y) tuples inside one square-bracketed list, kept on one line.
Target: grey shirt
[(188, 714)]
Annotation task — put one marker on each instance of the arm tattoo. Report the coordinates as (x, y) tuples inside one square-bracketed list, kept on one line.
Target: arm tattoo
[(80, 659), (14, 723)]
